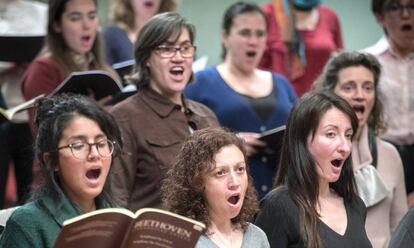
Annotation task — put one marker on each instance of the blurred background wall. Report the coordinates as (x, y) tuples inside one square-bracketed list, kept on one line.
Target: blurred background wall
[(359, 27)]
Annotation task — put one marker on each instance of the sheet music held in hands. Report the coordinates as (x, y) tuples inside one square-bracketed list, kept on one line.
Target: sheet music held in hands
[(9, 113), (97, 83), (273, 139)]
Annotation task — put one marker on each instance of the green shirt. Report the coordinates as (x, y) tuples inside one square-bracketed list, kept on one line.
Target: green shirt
[(32, 226)]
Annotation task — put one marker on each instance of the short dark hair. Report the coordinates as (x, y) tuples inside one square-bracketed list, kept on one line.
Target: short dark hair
[(342, 60), (297, 168), (183, 188), (155, 32), (378, 6), (235, 10), (53, 115)]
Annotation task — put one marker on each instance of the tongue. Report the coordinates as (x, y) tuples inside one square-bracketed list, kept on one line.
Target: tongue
[(233, 200)]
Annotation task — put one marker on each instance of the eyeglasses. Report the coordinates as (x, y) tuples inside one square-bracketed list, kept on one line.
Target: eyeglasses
[(81, 150), (168, 51), (398, 9)]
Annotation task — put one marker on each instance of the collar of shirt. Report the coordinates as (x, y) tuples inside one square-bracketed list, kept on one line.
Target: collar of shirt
[(163, 106), (383, 47)]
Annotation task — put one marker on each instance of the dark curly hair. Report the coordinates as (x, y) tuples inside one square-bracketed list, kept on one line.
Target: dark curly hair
[(183, 187)]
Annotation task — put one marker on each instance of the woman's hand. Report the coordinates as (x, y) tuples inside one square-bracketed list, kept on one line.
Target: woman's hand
[(252, 142)]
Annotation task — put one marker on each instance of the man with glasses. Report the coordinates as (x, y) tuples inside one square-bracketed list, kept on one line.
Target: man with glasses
[(396, 54)]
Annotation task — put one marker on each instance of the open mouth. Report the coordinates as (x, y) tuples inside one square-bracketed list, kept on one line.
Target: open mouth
[(86, 38), (359, 109), (406, 27), (148, 4), (336, 163), (93, 174), (177, 71), (234, 199), (251, 54)]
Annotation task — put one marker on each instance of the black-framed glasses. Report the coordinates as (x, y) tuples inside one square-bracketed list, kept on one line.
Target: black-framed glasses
[(169, 51), (81, 150), (398, 9)]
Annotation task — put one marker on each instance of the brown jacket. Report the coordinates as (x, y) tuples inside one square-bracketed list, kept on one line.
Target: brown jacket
[(153, 129)]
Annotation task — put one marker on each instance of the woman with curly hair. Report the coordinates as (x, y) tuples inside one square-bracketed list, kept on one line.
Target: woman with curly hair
[(128, 17), (210, 182)]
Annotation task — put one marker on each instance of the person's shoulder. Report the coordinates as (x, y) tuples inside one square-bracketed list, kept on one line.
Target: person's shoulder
[(113, 29), (199, 108), (203, 79), (44, 61), (279, 78), (388, 148), (324, 10), (127, 106), (206, 73), (255, 230), (279, 195), (29, 211), (256, 236)]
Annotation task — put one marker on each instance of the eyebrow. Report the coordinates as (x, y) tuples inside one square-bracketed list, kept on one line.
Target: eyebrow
[(225, 165)]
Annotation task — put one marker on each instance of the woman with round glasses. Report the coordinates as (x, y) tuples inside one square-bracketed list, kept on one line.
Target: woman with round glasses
[(155, 121), (244, 98), (75, 144)]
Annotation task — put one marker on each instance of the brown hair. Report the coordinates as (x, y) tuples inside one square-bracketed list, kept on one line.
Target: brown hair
[(60, 50), (155, 32), (183, 188), (297, 167), (342, 60), (378, 6)]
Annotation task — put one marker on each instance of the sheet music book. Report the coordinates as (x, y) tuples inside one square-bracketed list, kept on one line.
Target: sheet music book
[(98, 83), (124, 68), (117, 227), (274, 140), (9, 113)]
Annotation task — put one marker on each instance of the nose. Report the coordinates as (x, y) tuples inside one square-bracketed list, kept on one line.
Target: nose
[(177, 56), (406, 11), (345, 146), (359, 93), (233, 180), (86, 23), (93, 152)]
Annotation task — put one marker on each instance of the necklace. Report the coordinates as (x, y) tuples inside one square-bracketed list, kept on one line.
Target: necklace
[(221, 240)]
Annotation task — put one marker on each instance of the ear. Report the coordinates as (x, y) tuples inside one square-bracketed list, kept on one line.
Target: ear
[(224, 39), (57, 27), (46, 158), (380, 19)]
